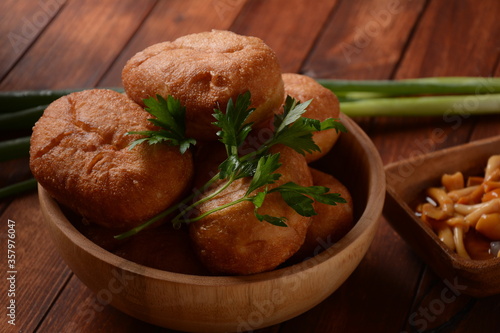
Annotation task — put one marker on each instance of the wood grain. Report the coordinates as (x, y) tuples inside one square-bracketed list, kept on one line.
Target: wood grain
[(22, 24), (77, 48), (289, 31), (364, 39), (428, 312), (181, 17), (86, 312), (444, 45), (39, 278), (488, 126)]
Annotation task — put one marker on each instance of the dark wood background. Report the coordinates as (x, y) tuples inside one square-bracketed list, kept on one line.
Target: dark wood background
[(55, 44)]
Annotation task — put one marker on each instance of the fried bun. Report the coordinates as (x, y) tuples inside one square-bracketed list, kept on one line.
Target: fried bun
[(234, 241), (324, 105), (205, 70), (80, 154)]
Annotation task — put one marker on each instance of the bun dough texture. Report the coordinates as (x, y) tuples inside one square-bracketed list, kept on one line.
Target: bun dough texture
[(234, 241), (80, 154), (204, 71), (324, 105)]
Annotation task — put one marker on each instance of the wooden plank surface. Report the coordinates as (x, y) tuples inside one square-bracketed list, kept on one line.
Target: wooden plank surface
[(364, 39), (78, 46), (444, 45), (82, 308), (290, 31), (39, 277), (169, 20), (22, 22)]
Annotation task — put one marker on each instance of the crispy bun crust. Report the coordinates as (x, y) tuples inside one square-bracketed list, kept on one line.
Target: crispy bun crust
[(233, 241), (80, 154), (324, 105), (204, 71), (332, 222)]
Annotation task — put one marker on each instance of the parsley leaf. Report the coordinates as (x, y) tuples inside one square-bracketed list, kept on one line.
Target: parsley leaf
[(234, 168), (331, 123), (293, 110), (277, 221), (295, 131), (170, 117), (264, 172), (299, 197), (258, 200), (233, 128), (297, 136)]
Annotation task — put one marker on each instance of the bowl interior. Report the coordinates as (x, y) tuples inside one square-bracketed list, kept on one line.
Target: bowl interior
[(406, 181), (354, 160)]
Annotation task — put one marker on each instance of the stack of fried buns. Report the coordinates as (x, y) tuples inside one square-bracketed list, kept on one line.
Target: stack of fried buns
[(80, 153)]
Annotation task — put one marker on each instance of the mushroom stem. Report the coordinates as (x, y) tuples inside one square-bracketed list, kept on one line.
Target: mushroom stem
[(443, 200), (458, 237), (446, 236), (492, 206), (493, 164), (457, 194)]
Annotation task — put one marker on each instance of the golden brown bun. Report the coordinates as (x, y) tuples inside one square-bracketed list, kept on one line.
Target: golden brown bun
[(233, 241), (324, 105), (163, 248), (204, 71), (80, 154), (331, 223)]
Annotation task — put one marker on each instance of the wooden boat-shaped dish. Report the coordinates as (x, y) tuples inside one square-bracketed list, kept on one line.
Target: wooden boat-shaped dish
[(406, 181)]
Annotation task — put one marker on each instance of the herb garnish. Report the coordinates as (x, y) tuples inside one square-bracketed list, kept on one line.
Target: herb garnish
[(170, 117), (291, 129)]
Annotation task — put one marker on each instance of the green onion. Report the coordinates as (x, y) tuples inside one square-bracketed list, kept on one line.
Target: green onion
[(15, 148), (11, 101), (24, 119), (419, 86), (17, 188), (423, 106)]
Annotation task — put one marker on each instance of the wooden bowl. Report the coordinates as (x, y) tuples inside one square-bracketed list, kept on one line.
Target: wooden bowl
[(215, 304), (406, 181)]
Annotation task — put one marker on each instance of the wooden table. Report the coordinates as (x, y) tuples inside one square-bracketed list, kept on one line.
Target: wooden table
[(55, 44)]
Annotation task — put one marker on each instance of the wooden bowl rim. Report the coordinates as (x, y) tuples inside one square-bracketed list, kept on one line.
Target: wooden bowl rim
[(370, 215), (418, 161)]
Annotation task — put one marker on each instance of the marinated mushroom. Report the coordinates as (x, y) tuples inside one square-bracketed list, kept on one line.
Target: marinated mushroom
[(459, 208)]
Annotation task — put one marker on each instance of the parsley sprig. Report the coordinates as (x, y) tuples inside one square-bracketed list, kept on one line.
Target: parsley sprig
[(291, 129), (170, 118)]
